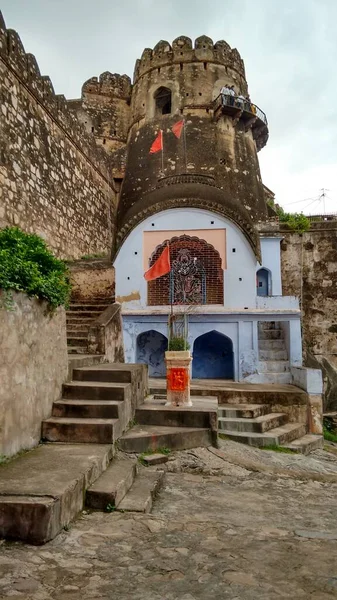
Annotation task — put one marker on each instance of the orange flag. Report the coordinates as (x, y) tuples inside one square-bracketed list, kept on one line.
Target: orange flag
[(177, 128), (158, 143), (161, 267)]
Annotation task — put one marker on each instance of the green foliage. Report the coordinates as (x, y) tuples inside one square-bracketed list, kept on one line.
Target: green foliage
[(295, 221), (110, 508), (276, 448), (329, 435), (178, 343), (27, 265)]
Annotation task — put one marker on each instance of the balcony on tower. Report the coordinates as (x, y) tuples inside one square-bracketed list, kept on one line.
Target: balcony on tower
[(246, 112)]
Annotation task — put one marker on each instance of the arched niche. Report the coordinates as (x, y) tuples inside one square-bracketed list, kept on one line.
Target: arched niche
[(213, 356), (150, 350), (163, 101), (263, 282)]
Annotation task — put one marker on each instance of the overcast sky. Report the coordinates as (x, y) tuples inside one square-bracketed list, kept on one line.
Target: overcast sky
[(290, 53)]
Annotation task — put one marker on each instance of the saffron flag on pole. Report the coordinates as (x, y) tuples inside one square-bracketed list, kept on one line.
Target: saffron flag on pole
[(158, 143), (161, 267), (177, 128)]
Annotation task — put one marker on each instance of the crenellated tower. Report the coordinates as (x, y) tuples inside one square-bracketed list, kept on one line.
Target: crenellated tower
[(215, 163)]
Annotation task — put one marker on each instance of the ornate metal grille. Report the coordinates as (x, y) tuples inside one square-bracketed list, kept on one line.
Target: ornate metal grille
[(187, 279)]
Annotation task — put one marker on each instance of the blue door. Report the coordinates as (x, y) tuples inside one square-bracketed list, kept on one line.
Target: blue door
[(151, 347), (213, 357)]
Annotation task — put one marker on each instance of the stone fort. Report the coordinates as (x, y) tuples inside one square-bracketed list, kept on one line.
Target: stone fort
[(79, 173)]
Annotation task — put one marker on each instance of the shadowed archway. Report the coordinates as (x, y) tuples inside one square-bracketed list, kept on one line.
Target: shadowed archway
[(150, 350), (213, 357)]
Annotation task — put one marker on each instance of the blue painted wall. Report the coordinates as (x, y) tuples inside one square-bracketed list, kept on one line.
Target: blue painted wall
[(151, 347), (213, 357)]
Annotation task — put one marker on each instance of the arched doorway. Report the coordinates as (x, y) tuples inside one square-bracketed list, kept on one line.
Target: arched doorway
[(213, 357), (151, 347), (163, 101), (263, 282)]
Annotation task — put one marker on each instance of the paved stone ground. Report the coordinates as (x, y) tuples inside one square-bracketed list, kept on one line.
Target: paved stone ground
[(258, 525)]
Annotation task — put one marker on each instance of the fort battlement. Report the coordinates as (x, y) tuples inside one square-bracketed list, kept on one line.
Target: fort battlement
[(110, 84), (26, 69), (182, 51)]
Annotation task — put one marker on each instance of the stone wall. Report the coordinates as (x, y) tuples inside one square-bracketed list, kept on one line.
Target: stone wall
[(34, 364), (54, 180), (309, 270), (92, 280)]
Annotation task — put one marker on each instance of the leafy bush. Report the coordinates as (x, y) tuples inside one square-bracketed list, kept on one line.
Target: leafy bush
[(178, 343), (295, 221), (27, 265)]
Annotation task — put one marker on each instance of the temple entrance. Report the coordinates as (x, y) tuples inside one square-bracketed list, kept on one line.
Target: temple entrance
[(213, 357), (151, 347)]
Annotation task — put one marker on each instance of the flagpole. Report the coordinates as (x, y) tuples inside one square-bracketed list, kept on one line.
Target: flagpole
[(185, 155), (162, 152)]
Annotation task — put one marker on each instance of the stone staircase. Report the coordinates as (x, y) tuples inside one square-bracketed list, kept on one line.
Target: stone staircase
[(256, 425), (80, 316), (273, 365), (97, 405)]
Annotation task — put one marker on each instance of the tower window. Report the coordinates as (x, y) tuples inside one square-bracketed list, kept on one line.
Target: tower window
[(163, 100)]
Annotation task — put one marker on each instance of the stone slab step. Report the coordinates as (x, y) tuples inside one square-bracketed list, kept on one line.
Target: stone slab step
[(43, 490), (275, 437), (258, 424), (113, 484), (77, 333), (87, 306), (267, 325), (77, 349), (78, 319), (274, 377), (273, 355), (83, 360), (107, 373), (271, 344), (77, 341), (146, 486), (270, 334), (142, 438), (254, 393), (92, 314), (306, 444), (175, 417), (243, 411), (95, 390), (76, 430), (87, 409), (273, 366)]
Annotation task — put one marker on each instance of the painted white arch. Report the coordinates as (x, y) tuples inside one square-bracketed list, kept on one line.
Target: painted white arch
[(239, 274)]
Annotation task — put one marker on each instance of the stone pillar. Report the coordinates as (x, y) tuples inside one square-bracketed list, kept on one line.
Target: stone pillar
[(178, 365)]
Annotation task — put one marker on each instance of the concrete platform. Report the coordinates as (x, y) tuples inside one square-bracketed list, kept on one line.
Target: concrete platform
[(42, 491), (143, 438)]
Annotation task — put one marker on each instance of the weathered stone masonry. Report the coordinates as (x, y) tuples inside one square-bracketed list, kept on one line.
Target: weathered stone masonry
[(54, 180)]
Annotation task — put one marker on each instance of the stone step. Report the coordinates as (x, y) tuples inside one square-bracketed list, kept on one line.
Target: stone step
[(257, 424), (142, 438), (77, 333), (243, 411), (267, 325), (141, 495), (88, 306), (253, 393), (77, 349), (78, 341), (112, 486), (273, 355), (88, 314), (87, 409), (271, 334), (271, 345), (273, 378), (43, 490), (307, 443), (275, 437), (273, 366), (78, 320), (109, 374), (75, 430), (175, 417), (94, 390)]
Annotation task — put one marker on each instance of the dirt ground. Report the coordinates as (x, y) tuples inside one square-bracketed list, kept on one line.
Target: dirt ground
[(238, 523)]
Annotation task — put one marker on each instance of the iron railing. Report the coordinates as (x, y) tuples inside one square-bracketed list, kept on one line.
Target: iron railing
[(240, 103)]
